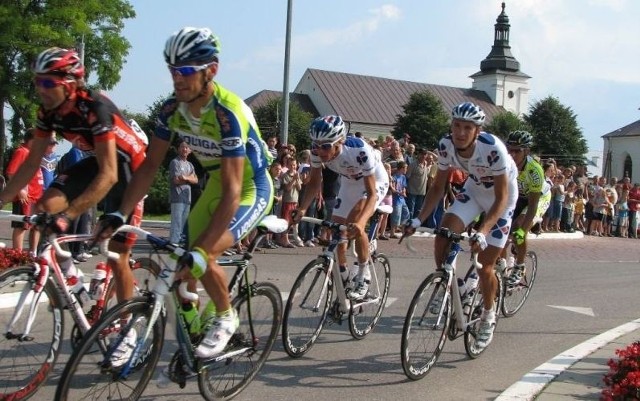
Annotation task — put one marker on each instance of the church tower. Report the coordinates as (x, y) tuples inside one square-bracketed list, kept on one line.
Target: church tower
[(500, 76)]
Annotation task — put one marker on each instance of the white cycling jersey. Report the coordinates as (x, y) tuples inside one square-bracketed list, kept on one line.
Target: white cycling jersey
[(490, 158)]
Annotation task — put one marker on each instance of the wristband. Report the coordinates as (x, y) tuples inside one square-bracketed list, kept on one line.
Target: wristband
[(415, 222)]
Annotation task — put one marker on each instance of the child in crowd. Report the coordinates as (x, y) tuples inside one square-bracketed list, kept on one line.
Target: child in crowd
[(400, 210), (387, 200), (291, 186), (623, 213), (579, 203), (275, 170)]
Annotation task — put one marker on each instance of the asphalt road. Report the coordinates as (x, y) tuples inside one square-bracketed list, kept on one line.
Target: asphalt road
[(584, 287)]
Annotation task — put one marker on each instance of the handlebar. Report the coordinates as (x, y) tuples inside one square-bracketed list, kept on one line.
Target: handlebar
[(325, 223)]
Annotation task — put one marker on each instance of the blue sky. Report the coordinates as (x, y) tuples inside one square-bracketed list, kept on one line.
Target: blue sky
[(584, 52)]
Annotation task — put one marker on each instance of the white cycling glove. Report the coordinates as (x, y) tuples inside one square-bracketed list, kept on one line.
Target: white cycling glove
[(480, 239), (415, 222)]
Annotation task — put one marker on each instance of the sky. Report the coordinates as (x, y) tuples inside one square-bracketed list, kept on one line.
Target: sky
[(583, 52)]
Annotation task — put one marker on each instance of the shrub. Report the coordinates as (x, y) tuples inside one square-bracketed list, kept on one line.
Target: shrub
[(158, 200), (623, 380)]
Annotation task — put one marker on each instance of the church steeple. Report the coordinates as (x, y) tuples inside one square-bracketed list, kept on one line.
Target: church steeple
[(500, 57)]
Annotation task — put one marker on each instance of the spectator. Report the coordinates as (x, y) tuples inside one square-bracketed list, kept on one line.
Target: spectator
[(25, 200), (409, 154), (304, 169), (291, 184), (399, 190), (634, 203), (417, 180), (182, 175), (623, 213), (579, 203), (274, 171), (49, 163), (272, 145)]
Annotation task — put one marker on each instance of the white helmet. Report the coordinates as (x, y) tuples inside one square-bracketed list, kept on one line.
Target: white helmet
[(327, 128)]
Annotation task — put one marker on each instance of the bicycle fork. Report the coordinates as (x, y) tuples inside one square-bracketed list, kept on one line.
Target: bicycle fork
[(41, 275)]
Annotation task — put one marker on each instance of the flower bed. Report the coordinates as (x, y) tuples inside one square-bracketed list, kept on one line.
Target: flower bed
[(623, 380), (10, 257)]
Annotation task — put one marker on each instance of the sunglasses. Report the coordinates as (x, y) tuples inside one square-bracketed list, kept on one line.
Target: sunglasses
[(187, 70), (323, 145), (48, 83)]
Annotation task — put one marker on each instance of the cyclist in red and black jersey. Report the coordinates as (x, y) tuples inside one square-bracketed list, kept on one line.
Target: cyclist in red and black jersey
[(92, 123)]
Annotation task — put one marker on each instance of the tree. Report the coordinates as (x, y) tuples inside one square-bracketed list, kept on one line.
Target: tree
[(28, 27), (424, 118), (556, 132), (268, 116), (505, 122)]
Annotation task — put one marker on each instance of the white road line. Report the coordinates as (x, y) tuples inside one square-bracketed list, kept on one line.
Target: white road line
[(533, 382)]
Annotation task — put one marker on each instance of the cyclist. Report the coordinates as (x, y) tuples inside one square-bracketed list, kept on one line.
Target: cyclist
[(363, 185), (92, 123), (490, 188), (534, 197), (223, 135)]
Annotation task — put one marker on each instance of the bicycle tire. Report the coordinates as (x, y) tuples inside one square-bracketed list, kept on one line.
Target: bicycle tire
[(474, 315), (424, 332), (514, 297), (364, 315), (303, 321), (88, 376), (225, 379), (25, 364)]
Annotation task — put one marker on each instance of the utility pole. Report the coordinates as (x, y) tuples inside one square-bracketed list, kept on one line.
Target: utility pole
[(284, 127), (81, 49)]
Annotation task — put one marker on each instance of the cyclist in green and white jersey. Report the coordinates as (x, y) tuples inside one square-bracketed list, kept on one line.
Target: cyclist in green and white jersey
[(534, 196), (223, 135)]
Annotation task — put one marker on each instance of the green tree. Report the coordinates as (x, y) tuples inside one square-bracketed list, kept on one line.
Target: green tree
[(556, 132), (505, 122), (28, 27), (268, 117), (424, 118)]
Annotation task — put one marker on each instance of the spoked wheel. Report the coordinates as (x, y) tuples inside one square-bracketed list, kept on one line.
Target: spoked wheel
[(516, 295), (306, 309), (27, 360), (91, 374), (473, 317), (425, 326), (248, 350), (365, 313)]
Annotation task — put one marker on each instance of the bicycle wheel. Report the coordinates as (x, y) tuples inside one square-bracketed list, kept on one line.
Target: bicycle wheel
[(89, 375), (425, 327), (364, 314), (474, 317), (516, 295), (306, 309), (260, 317), (25, 362)]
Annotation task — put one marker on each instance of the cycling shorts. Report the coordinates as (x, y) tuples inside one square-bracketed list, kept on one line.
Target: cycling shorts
[(256, 201), (74, 181), (352, 191), (469, 203)]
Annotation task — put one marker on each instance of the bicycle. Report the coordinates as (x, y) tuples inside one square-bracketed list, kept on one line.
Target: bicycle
[(318, 295), (439, 311), (89, 374), (515, 296), (34, 297)]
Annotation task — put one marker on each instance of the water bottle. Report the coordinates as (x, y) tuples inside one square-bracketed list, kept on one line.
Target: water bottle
[(191, 316), (76, 282), (97, 285)]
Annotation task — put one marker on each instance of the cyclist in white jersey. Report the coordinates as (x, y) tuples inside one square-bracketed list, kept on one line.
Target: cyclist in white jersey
[(363, 184), (491, 188)]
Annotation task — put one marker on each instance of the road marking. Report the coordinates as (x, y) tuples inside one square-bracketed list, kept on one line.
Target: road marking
[(576, 309), (528, 387)]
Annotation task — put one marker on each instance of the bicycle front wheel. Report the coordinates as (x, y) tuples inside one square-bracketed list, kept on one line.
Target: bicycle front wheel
[(89, 373), (365, 313), (425, 326), (473, 351), (260, 314), (516, 295), (27, 360), (306, 309)]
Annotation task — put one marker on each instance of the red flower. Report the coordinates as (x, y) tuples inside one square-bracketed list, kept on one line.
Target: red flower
[(10, 257), (623, 380)]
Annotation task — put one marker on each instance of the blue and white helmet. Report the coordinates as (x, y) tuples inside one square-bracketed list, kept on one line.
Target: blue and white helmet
[(468, 111), (327, 128), (191, 45)]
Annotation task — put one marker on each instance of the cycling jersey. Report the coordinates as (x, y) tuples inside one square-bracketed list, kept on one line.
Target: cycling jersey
[(92, 118), (356, 160), (531, 180), (225, 128)]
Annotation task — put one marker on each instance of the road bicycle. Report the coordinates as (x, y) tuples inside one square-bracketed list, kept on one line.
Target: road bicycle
[(33, 297), (89, 374), (515, 295), (318, 295), (439, 311)]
